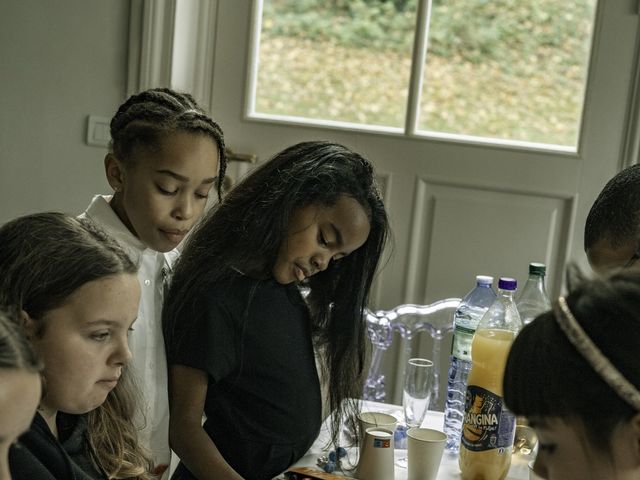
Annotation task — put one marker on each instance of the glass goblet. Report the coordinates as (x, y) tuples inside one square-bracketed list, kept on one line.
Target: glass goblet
[(416, 394)]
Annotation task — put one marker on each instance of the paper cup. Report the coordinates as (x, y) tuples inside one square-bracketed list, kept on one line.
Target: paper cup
[(375, 419), (424, 453), (532, 474), (376, 455)]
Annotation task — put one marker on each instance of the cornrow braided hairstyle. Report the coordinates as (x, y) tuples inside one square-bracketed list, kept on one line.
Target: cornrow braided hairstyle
[(146, 117)]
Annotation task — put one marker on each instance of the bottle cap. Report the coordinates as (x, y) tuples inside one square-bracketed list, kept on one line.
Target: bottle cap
[(507, 283), (537, 269), (484, 280)]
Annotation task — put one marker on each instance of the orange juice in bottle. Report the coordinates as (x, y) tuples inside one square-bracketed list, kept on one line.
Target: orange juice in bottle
[(488, 429)]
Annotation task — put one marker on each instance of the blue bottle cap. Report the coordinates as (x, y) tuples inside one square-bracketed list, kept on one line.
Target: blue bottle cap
[(507, 283)]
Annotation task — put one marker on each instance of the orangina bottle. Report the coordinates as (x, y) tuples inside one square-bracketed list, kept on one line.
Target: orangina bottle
[(488, 429)]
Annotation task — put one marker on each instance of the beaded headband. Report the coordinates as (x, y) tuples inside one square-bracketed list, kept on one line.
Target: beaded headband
[(594, 356)]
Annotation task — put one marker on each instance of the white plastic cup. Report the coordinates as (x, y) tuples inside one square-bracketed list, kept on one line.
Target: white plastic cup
[(375, 419), (424, 453), (376, 455)]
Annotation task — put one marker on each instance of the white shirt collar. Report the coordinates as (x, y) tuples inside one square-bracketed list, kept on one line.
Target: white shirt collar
[(100, 211)]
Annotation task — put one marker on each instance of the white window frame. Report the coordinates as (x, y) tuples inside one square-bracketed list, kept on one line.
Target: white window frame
[(152, 50), (410, 129)]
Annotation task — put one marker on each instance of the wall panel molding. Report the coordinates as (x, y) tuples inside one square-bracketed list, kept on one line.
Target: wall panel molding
[(494, 230)]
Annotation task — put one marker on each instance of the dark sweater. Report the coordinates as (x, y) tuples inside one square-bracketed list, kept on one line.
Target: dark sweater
[(38, 455)]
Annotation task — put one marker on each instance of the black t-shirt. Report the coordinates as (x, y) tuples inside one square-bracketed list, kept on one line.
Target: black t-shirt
[(263, 404), (38, 455)]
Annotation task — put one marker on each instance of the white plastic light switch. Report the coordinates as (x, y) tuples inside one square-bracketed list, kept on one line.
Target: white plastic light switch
[(98, 131)]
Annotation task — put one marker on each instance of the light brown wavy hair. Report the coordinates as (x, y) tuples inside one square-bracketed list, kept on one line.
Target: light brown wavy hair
[(44, 258), (15, 349)]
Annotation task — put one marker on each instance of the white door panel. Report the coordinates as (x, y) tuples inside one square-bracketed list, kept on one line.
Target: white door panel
[(457, 209), (459, 230), (529, 205)]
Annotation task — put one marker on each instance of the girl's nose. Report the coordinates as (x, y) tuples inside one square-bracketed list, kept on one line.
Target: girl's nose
[(321, 262), (123, 354), (184, 208)]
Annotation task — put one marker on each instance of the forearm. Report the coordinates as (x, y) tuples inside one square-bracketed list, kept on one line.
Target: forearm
[(199, 453)]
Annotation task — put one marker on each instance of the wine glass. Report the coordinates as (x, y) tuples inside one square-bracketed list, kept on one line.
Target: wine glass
[(416, 394)]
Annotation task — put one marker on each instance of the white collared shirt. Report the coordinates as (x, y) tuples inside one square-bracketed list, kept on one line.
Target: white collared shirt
[(146, 342)]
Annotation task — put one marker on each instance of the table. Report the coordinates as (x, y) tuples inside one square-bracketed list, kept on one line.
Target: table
[(448, 467)]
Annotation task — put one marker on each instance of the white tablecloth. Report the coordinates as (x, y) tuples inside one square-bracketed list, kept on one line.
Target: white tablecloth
[(448, 467)]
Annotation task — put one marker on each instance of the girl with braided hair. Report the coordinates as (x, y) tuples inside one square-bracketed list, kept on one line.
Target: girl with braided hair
[(74, 292), (165, 156), (241, 340), (574, 372)]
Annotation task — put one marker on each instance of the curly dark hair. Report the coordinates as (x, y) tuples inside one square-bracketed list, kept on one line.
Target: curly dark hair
[(615, 214)]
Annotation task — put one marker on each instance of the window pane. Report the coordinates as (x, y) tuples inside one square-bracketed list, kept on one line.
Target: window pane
[(508, 69), (340, 60)]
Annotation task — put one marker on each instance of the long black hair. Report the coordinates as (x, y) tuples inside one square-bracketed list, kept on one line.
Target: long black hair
[(244, 232), (546, 376)]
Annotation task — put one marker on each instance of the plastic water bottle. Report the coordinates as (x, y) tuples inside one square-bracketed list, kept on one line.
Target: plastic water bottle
[(533, 299), (465, 320), (489, 427)]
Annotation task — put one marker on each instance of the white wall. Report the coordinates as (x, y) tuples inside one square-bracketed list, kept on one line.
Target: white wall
[(59, 62)]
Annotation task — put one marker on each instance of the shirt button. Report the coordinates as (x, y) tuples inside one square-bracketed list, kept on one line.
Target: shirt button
[(147, 282)]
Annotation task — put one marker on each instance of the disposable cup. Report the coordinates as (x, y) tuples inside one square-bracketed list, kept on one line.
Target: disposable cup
[(375, 419), (424, 453), (376, 455)]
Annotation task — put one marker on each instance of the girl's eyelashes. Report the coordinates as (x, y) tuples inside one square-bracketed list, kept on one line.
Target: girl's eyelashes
[(165, 191), (100, 336), (323, 240), (171, 193)]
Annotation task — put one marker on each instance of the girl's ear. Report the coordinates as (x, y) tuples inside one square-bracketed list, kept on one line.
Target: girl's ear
[(114, 171), (29, 325)]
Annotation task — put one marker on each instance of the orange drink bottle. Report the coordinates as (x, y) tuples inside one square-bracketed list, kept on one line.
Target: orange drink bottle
[(488, 428)]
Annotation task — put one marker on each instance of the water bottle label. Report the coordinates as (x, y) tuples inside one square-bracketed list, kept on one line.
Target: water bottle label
[(461, 329), (487, 423)]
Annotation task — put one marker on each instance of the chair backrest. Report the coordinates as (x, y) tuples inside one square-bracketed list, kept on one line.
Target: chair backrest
[(405, 325)]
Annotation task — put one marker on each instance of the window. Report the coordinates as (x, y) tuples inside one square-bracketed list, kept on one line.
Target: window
[(503, 70)]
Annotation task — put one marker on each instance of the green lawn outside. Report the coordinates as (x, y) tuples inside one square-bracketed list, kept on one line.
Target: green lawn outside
[(530, 89)]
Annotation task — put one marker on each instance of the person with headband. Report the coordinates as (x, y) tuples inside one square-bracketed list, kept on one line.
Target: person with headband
[(574, 372)]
